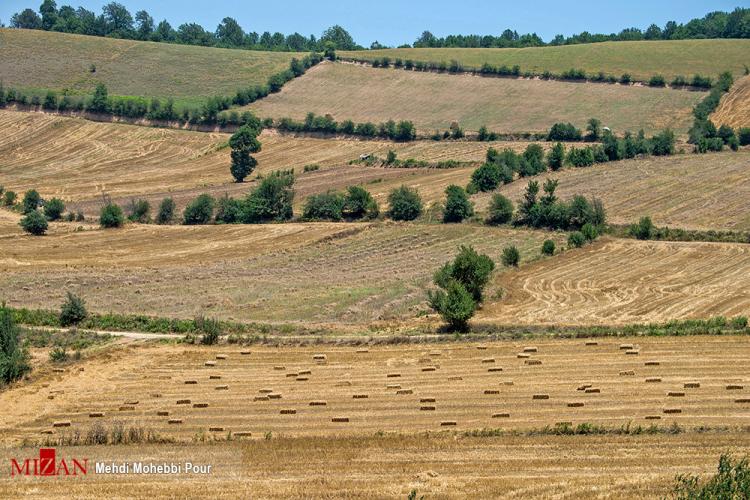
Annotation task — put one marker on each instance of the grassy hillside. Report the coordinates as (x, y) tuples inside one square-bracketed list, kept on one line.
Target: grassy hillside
[(433, 101), (734, 109), (640, 59), (47, 60)]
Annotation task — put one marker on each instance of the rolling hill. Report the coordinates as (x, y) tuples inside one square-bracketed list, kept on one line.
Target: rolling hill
[(734, 108)]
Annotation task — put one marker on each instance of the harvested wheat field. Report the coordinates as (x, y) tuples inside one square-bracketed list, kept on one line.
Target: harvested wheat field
[(734, 108), (432, 101), (274, 272), (704, 192), (627, 281), (145, 388)]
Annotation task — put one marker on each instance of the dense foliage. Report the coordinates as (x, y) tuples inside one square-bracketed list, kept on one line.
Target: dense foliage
[(14, 359), (111, 216), (404, 204)]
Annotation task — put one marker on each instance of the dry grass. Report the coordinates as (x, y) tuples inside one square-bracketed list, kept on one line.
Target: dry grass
[(49, 60), (433, 101), (627, 281), (734, 109), (640, 59)]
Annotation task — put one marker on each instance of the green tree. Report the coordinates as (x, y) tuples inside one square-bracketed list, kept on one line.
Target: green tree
[(100, 100), (500, 211), (271, 201), (54, 208), (111, 216), (34, 223), (454, 304), (487, 177), (339, 37), (404, 204), (48, 10), (594, 129), (9, 198), (139, 211), (243, 142), (14, 359), (199, 211), (457, 205), (556, 157), (576, 240), (511, 256), (165, 215), (644, 230), (228, 210), (73, 310), (548, 247), (359, 204), (31, 201), (324, 206), (469, 268)]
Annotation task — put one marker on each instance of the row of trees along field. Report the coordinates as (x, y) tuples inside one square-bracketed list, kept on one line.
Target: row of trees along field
[(116, 21)]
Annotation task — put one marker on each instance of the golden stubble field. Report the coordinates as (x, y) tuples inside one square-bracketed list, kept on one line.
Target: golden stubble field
[(396, 399), (433, 101), (734, 108)]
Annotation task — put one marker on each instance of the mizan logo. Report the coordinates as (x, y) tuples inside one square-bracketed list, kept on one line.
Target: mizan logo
[(48, 465)]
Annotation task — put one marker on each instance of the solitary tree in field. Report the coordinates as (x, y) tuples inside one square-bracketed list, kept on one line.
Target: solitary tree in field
[(244, 142)]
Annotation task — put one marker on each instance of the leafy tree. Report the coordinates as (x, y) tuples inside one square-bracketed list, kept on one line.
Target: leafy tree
[(14, 359), (26, 19), (100, 101), (271, 201), (548, 247), (199, 211), (454, 304), (589, 231), (511, 256), (54, 208), (726, 133), (34, 223), (663, 144), (144, 25), (744, 136), (644, 230), (391, 157), (563, 132), (339, 37), (576, 240), (165, 215), (405, 131), (500, 211), (324, 206), (470, 269), (48, 10), (111, 216), (228, 210), (139, 211), (9, 198), (594, 129), (31, 201), (73, 310), (457, 205), (404, 203), (556, 157), (583, 157), (229, 33), (532, 162), (487, 177), (657, 81), (359, 204), (118, 20), (243, 142)]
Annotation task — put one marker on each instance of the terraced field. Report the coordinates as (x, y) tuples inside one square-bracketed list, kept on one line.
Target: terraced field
[(627, 281), (734, 108), (641, 59), (48, 60), (399, 393), (433, 101)]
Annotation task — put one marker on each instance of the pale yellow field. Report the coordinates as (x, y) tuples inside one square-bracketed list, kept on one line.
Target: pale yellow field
[(432, 101), (734, 108)]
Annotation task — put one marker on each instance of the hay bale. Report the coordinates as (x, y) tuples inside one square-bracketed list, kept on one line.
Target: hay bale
[(429, 369), (675, 394), (530, 349), (319, 357), (566, 423), (591, 343), (392, 375), (265, 391), (488, 360), (626, 347), (58, 370), (214, 377), (260, 398), (216, 429), (301, 379), (162, 413), (491, 391), (672, 410), (575, 404), (340, 419), (47, 431), (279, 368), (393, 386), (174, 421), (435, 353), (274, 396), (62, 423), (318, 403), (426, 400), (155, 394), (652, 363), (127, 408), (96, 414), (593, 390), (627, 373), (50, 397), (742, 401), (508, 382), (292, 375), (540, 396), (734, 387), (426, 408), (343, 383), (131, 402), (242, 434), (183, 401), (209, 363), (653, 417), (455, 378), (404, 391), (494, 370), (288, 411), (482, 347), (246, 353), (191, 382), (200, 405), (501, 415), (692, 385), (304, 372), (523, 356), (221, 356), (447, 423), (533, 362), (362, 351), (221, 388), (653, 380), (584, 387), (360, 396), (632, 353)]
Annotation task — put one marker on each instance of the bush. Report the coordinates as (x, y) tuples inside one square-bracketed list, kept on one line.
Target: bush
[(644, 230), (457, 205), (663, 144), (404, 204), (111, 216), (14, 359), (589, 232), (165, 215), (73, 310), (583, 157), (732, 481), (199, 211), (324, 206), (31, 201), (487, 177), (576, 240), (58, 354), (564, 132), (210, 328), (744, 136), (228, 210), (556, 157), (54, 208), (9, 198), (139, 211), (511, 256), (359, 204), (500, 211), (454, 305), (548, 247), (657, 81), (271, 201), (470, 269), (34, 223), (243, 142)]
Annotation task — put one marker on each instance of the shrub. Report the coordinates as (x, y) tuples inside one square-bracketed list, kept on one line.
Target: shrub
[(165, 215), (556, 157), (589, 232), (359, 204), (548, 247), (731, 481), (111, 216), (564, 132), (73, 310), (662, 144), (271, 200), (594, 130), (324, 206), (644, 230), (139, 211), (657, 81), (625, 79), (199, 211), (500, 210), (532, 161), (576, 240), (405, 131), (58, 354), (404, 204), (744, 136), (31, 201), (34, 223), (457, 205), (54, 208), (210, 328), (14, 359), (243, 142), (487, 177), (9, 198), (583, 157), (470, 269), (228, 210), (511, 256), (454, 305)]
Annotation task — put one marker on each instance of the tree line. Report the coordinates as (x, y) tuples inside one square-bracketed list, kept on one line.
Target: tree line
[(116, 21)]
